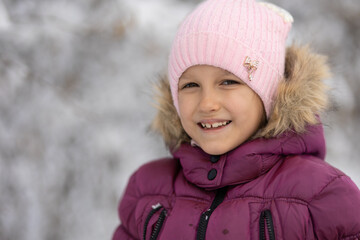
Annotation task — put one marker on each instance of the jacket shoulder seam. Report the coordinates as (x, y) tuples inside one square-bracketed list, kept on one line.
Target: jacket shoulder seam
[(326, 185)]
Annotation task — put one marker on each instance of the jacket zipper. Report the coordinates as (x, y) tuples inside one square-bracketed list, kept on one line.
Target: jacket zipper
[(159, 222), (265, 217), (205, 216)]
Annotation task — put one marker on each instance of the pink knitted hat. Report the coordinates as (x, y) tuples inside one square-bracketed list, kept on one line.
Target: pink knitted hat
[(244, 37)]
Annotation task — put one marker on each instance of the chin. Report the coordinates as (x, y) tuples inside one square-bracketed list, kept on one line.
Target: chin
[(214, 150)]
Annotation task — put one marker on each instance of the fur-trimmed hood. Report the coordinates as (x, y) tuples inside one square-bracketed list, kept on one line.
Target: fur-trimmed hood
[(300, 98)]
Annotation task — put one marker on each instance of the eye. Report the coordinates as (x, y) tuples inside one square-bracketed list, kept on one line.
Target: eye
[(189, 85), (229, 82)]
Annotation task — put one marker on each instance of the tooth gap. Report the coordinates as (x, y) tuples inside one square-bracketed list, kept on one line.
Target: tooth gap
[(208, 126)]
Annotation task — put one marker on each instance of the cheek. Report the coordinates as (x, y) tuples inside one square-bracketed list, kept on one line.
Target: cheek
[(241, 107), (185, 111), (187, 103), (183, 108), (259, 109), (248, 108)]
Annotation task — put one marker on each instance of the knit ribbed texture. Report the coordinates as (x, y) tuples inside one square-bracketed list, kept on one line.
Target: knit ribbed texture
[(222, 33)]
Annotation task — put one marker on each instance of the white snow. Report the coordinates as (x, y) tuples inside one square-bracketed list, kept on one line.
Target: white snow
[(76, 103)]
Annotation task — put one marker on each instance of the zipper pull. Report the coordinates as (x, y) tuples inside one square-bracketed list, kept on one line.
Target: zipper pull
[(156, 206), (207, 214)]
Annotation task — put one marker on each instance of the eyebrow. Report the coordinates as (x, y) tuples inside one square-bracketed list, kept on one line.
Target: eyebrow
[(226, 72), (185, 75)]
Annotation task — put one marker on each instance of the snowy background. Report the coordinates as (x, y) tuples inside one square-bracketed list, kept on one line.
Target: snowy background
[(75, 103)]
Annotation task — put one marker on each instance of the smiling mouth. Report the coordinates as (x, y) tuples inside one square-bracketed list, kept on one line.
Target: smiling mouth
[(214, 125)]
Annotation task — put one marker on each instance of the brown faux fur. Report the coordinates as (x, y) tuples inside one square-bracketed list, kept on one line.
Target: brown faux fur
[(300, 98)]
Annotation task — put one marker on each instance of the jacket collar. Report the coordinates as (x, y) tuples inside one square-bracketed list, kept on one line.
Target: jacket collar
[(248, 161)]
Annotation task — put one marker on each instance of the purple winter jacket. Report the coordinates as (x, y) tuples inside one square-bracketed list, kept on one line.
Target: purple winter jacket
[(277, 188)]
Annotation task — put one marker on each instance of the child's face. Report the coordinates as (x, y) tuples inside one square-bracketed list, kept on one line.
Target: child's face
[(217, 109)]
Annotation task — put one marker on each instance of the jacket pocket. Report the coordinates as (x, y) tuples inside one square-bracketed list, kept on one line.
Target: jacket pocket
[(155, 230), (266, 225)]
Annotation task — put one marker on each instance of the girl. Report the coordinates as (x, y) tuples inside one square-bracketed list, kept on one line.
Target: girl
[(240, 114)]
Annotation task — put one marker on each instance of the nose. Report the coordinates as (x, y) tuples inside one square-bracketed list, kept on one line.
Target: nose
[(209, 101)]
